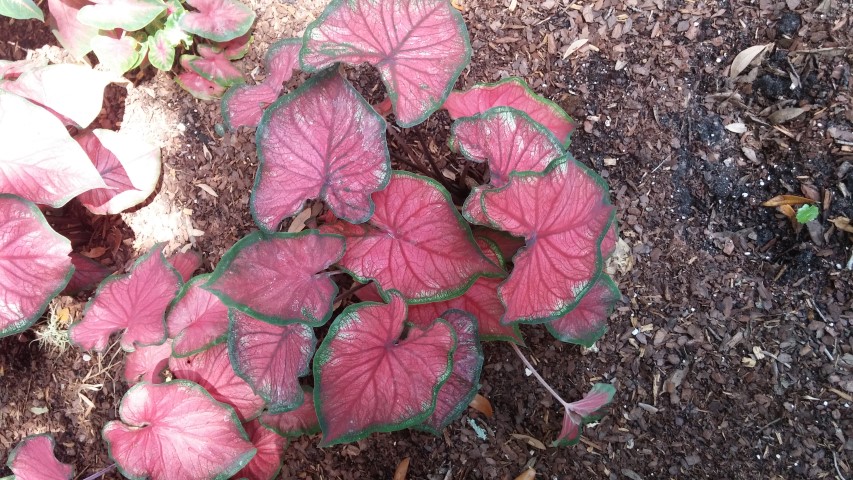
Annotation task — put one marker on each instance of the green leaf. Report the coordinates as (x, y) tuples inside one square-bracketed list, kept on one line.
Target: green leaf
[(130, 15), (807, 213), (21, 9)]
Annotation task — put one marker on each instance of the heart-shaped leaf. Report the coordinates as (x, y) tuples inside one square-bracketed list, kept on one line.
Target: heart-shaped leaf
[(10, 70), (33, 459), (322, 140), (271, 358), (279, 278), (416, 243), (161, 51), (422, 50), (216, 67), (87, 274), (71, 33), (134, 303), (587, 321), (130, 15), (44, 165), (186, 263), (129, 166), (119, 53), (368, 378), (147, 363), (301, 421), (34, 264), (464, 381), (511, 92), (266, 464), (198, 86), (212, 370), (586, 410), (236, 48), (187, 434), (197, 319), (217, 20), (21, 9), (564, 213)]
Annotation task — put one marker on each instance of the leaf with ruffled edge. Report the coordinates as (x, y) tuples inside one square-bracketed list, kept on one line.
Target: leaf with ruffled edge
[(420, 47), (368, 378), (186, 263), (321, 141), (564, 213), (279, 278), (416, 243), (586, 410), (186, 433), (34, 264), (217, 20), (295, 423), (130, 15), (266, 464), (215, 67), (271, 358), (134, 303), (511, 92), (88, 274), (504, 244), (197, 319), (587, 321), (33, 459), (147, 363)]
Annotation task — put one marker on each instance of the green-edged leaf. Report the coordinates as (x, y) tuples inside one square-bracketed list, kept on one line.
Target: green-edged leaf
[(161, 52), (20, 9), (218, 20), (119, 54), (130, 15)]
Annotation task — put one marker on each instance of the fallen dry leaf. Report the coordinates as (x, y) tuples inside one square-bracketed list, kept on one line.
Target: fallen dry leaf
[(530, 441), (482, 405), (528, 474), (402, 469), (780, 200), (744, 58), (842, 223), (785, 114), (736, 127), (298, 223), (575, 46)]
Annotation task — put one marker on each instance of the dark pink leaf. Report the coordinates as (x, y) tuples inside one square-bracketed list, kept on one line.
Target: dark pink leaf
[(458, 391), (198, 86), (589, 409), (369, 379), (212, 370), (384, 107), (33, 459), (237, 48), (71, 33), (419, 47), (44, 165), (244, 105), (506, 244), (511, 92), (564, 214), (147, 363), (87, 274), (266, 464), (186, 434), (321, 141), (128, 165), (587, 321), (271, 358), (301, 421), (130, 15), (279, 278), (416, 243), (282, 59), (217, 20), (34, 264), (186, 263), (197, 319), (217, 68), (134, 304)]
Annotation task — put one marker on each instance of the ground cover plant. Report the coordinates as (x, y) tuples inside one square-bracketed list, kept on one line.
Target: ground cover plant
[(236, 341)]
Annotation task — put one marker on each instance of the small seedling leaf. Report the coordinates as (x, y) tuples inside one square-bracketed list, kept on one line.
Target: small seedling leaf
[(807, 213)]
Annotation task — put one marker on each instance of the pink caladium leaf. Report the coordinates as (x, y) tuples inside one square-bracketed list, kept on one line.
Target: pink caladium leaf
[(130, 15), (587, 321), (282, 59), (217, 20), (71, 33), (33, 459), (187, 434), (464, 381), (147, 363), (118, 52), (134, 303), (321, 141), (370, 378), (421, 50), (198, 86), (279, 277), (564, 213), (128, 165), (186, 263), (215, 67), (236, 48), (10, 70), (271, 358), (88, 274), (295, 423), (212, 370), (506, 244), (266, 464), (197, 319), (586, 410), (416, 243), (511, 92), (34, 264), (161, 51), (43, 165)]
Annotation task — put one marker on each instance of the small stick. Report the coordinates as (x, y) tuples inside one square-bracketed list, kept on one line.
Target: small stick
[(438, 175), (101, 472)]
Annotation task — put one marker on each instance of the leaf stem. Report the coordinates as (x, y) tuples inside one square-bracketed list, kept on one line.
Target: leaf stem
[(539, 377), (343, 295), (101, 472), (425, 147)]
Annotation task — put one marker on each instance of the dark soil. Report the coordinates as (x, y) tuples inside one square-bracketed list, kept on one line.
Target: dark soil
[(731, 349)]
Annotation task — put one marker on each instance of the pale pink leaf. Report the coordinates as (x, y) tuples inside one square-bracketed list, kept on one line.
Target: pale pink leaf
[(217, 20), (147, 363), (197, 319), (588, 409), (33, 459), (198, 86), (71, 33), (186, 263), (243, 105), (266, 464), (301, 421), (119, 53), (217, 68)]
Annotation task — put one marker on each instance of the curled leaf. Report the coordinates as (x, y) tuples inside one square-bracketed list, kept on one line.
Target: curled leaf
[(745, 58)]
